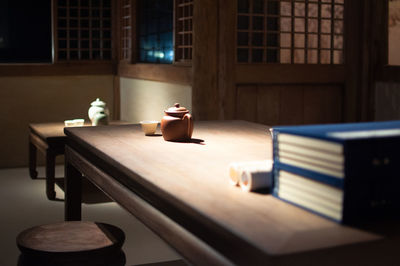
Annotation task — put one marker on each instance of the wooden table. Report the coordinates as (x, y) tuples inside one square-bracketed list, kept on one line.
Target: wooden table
[(181, 192)]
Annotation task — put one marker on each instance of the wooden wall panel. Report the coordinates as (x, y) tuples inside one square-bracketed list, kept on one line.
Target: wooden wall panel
[(322, 104), (205, 94), (268, 104), (226, 58), (156, 72), (290, 104), (246, 107), (289, 73)]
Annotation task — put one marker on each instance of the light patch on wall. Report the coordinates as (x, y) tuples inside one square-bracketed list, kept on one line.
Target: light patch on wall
[(42, 99), (394, 32), (147, 100)]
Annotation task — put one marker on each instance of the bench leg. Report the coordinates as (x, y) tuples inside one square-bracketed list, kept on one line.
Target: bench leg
[(50, 175), (32, 161)]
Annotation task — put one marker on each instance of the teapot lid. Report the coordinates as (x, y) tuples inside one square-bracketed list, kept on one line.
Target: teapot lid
[(177, 109), (98, 102)]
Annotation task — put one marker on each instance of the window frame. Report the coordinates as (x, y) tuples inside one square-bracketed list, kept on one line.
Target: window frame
[(178, 72), (56, 68), (335, 54), (79, 29), (385, 72)]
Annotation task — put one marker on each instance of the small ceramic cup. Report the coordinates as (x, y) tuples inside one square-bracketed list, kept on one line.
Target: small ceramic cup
[(79, 122), (74, 123), (69, 123), (149, 127)]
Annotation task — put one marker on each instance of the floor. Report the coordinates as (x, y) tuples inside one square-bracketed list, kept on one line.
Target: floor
[(23, 204)]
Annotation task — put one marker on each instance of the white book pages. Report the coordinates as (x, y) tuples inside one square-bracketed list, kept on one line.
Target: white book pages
[(320, 190), (311, 153), (311, 198), (322, 145), (311, 194), (316, 162), (313, 167), (290, 196)]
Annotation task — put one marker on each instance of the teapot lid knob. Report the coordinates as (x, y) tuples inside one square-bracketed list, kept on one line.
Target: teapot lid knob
[(177, 108)]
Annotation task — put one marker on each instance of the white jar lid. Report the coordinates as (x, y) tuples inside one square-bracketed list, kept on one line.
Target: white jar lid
[(98, 102)]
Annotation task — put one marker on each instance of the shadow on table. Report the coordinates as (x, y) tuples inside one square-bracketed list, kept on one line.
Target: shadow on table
[(192, 140)]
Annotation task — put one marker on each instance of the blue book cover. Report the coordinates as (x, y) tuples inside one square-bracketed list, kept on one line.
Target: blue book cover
[(345, 131), (371, 162), (361, 146)]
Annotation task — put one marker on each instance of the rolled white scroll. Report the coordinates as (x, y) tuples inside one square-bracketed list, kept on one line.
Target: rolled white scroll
[(251, 175), (256, 178)]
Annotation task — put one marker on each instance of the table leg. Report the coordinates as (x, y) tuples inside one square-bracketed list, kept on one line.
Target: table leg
[(32, 161), (73, 193), (50, 175)]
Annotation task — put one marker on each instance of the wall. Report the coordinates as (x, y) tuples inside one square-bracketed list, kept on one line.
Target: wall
[(37, 99), (387, 101), (288, 104), (147, 100)]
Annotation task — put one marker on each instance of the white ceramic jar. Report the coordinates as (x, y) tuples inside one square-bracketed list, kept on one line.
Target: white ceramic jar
[(98, 113)]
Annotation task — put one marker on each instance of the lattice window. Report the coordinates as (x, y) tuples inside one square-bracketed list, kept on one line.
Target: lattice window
[(155, 31), (83, 30), (290, 31), (183, 30), (126, 29)]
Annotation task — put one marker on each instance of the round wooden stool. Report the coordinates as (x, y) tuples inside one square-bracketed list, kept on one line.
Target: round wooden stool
[(71, 243)]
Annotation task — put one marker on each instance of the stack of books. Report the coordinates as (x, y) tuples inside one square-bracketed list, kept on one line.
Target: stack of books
[(345, 172)]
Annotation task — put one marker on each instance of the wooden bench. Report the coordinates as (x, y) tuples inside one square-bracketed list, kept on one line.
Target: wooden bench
[(49, 138)]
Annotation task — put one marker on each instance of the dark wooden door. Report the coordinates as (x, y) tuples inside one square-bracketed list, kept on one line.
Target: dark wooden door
[(282, 61)]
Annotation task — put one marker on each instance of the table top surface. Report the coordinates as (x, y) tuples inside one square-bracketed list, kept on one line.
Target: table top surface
[(48, 130), (55, 130), (192, 178)]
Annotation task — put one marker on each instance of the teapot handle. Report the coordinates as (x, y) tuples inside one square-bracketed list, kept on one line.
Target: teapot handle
[(188, 117)]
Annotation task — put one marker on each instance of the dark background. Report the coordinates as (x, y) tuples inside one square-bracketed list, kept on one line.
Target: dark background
[(25, 31)]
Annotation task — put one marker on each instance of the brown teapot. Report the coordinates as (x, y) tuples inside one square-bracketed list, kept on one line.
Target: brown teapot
[(177, 124)]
